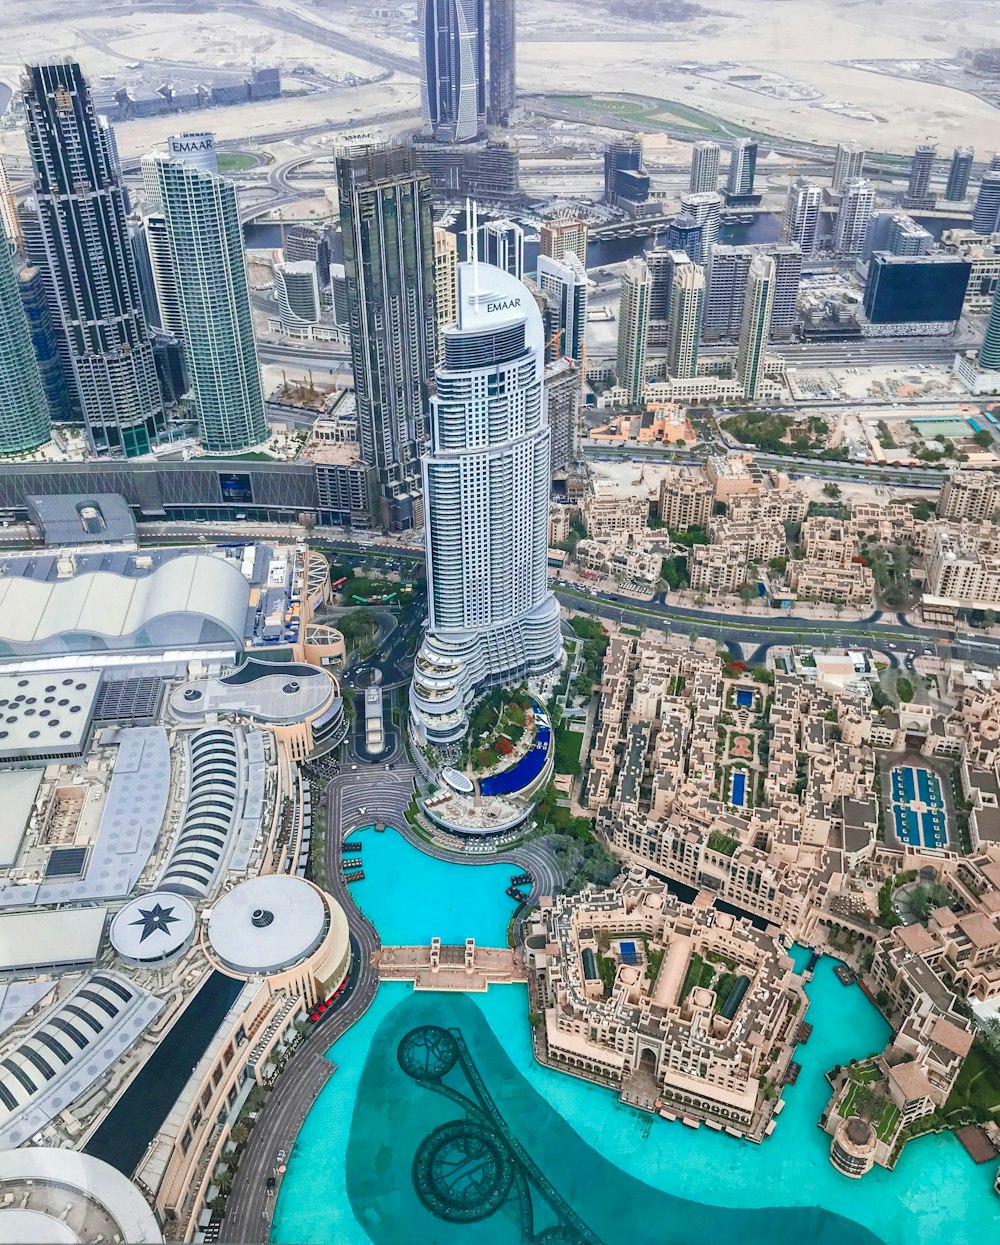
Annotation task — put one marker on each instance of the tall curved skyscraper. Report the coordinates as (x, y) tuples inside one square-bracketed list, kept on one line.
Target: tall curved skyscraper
[(453, 60), (492, 620), (24, 411)]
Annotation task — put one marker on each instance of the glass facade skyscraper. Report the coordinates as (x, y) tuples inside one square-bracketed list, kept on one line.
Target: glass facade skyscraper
[(388, 233), (205, 239), (492, 620), (453, 64), (81, 242), (24, 413)]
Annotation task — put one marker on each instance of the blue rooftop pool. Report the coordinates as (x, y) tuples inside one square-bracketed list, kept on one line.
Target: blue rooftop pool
[(739, 796), (528, 768)]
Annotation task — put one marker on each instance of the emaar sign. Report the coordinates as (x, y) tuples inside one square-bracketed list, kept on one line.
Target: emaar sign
[(190, 144)]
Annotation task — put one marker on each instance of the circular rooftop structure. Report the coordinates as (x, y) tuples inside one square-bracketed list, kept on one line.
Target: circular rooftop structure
[(62, 1196), (153, 928), (270, 924)]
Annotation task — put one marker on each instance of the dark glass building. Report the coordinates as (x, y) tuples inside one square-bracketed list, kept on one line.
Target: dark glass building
[(915, 289), (385, 217), (31, 287), (453, 61), (503, 61)]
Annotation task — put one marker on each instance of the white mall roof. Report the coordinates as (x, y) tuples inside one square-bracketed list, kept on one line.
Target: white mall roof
[(18, 789), (32, 1227), (268, 924), (152, 927), (48, 938), (82, 1179), (42, 713)]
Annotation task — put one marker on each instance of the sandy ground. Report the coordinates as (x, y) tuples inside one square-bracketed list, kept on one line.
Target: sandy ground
[(804, 40)]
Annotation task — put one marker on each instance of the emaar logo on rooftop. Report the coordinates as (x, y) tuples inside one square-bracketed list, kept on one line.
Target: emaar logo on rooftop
[(508, 304)]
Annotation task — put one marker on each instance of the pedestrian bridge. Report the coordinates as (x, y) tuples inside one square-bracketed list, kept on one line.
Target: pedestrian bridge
[(440, 966)]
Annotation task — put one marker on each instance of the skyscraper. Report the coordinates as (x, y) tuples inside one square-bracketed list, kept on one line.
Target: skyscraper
[(503, 61), (565, 285), (853, 216), (83, 249), (633, 329), (491, 618), (385, 217), (24, 412), (34, 300), (742, 168), (802, 214), (687, 300), (704, 167), (723, 314), (986, 213), (453, 68), (9, 225), (922, 165), (563, 234), (989, 351), (848, 165), (296, 289), (503, 246), (704, 208), (663, 264), (161, 267), (626, 182), (758, 303), (684, 233), (896, 233), (562, 407), (445, 282), (958, 174), (202, 220)]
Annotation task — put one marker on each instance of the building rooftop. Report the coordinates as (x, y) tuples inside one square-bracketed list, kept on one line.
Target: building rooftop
[(267, 924), (50, 938), (42, 714), (82, 519)]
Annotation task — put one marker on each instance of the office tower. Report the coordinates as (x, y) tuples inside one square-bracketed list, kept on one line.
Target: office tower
[(687, 301), (626, 182), (704, 168), (138, 241), (633, 329), (556, 237), (684, 234), (503, 61), (742, 168), (562, 405), (704, 208), (205, 238), (385, 217), (83, 248), (24, 412), (853, 216), (296, 288), (986, 212), (491, 618), (35, 301), (164, 274), (168, 353), (989, 351), (453, 68), (339, 297), (503, 246), (958, 174), (445, 282), (897, 234), (565, 285), (307, 242), (848, 165), (918, 190), (489, 169), (758, 303), (916, 289), (723, 314), (802, 215), (9, 226)]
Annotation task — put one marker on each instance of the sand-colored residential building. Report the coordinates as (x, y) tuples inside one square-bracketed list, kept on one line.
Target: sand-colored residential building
[(686, 499)]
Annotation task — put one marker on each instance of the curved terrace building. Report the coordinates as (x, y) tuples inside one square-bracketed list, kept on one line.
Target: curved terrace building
[(24, 412), (492, 619)]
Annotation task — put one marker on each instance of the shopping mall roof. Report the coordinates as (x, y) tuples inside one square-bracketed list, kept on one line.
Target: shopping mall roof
[(45, 716), (82, 519), (268, 924), (134, 601), (45, 939), (18, 791), (290, 692), (153, 927)]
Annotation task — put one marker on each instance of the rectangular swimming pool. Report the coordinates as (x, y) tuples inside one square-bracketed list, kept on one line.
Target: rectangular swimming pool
[(739, 797), (918, 807), (744, 699)]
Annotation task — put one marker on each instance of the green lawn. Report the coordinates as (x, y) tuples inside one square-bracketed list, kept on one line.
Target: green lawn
[(236, 161), (978, 1086), (568, 745), (658, 113)]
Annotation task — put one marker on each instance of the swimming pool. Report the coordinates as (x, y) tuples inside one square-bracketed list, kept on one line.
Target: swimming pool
[(739, 789), (349, 1176), (527, 769), (918, 807), (744, 699)]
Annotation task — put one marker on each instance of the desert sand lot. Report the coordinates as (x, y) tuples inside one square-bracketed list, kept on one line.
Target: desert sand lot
[(803, 40)]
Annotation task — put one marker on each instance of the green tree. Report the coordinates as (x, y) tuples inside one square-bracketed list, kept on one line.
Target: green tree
[(831, 490), (983, 438), (904, 689)]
